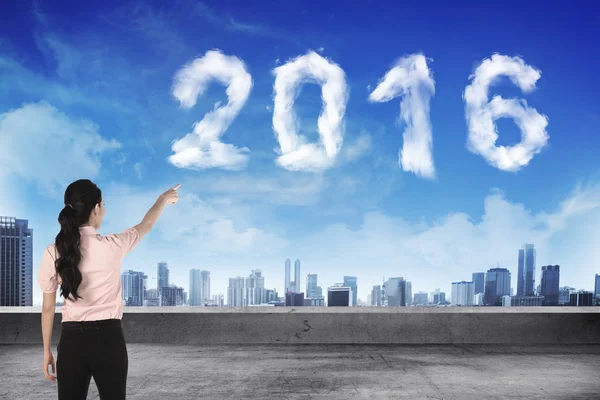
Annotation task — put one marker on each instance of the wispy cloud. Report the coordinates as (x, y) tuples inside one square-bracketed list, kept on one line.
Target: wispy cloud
[(202, 148), (41, 144), (410, 78), (296, 152), (481, 114)]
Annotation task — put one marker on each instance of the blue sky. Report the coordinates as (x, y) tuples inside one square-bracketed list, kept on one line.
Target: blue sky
[(87, 92)]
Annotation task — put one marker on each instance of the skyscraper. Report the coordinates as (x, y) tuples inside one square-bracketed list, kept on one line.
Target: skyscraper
[(350, 281), (205, 285), (397, 291), (16, 262), (462, 293), (497, 284), (162, 276), (255, 288), (376, 296), (235, 292), (172, 296), (526, 272), (297, 287), (597, 287), (133, 288), (550, 284), (286, 284), (478, 282), (195, 288), (313, 291)]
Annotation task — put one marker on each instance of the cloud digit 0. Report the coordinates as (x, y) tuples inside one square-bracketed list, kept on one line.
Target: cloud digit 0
[(411, 79), (296, 153), (202, 148), (481, 113)]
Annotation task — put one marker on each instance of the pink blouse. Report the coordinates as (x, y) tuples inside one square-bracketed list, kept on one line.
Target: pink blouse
[(100, 268)]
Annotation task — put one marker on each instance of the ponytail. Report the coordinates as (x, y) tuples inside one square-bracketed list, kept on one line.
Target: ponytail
[(83, 196)]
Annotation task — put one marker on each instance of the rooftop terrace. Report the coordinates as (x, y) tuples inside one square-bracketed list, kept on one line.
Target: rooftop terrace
[(333, 353)]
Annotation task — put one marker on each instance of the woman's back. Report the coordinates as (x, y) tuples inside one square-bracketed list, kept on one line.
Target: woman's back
[(100, 267)]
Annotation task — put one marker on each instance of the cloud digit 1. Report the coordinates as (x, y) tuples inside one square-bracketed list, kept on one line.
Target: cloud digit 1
[(202, 148), (481, 114), (410, 78), (296, 154)]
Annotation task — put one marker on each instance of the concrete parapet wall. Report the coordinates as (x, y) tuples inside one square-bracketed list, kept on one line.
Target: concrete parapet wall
[(320, 325)]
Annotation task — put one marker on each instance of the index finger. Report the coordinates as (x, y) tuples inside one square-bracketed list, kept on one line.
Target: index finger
[(177, 186)]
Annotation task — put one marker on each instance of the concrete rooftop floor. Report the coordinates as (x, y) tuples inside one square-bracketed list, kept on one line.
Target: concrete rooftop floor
[(331, 372)]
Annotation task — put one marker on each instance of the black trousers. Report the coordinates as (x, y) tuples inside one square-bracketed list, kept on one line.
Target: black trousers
[(92, 349)]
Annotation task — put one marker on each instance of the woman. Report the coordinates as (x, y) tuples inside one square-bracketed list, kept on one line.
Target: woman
[(87, 267)]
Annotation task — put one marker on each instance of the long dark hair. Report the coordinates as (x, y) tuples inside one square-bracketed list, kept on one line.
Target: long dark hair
[(80, 199)]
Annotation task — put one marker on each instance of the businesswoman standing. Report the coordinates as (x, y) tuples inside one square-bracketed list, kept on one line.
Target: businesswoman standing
[(87, 268)]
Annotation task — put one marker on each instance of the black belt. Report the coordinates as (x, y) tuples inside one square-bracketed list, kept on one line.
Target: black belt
[(81, 325)]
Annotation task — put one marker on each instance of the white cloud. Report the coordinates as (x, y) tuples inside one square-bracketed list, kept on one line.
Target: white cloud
[(296, 153), (202, 148), (410, 78), (355, 150), (138, 168), (481, 114), (41, 144)]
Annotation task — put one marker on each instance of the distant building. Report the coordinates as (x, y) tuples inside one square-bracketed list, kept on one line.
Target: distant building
[(218, 300), (162, 276), (397, 292), (271, 295), (152, 298), (526, 301), (195, 288), (314, 302), (313, 290), (294, 299), (462, 293), (421, 299), (478, 282), (597, 286), (478, 299), (339, 296), (497, 285), (16, 262), (172, 296), (506, 301), (350, 281), (550, 284), (564, 295), (255, 288), (438, 297), (376, 296), (133, 288), (581, 299), (235, 292), (526, 272)]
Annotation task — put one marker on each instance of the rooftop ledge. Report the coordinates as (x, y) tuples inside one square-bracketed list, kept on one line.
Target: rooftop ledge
[(333, 325)]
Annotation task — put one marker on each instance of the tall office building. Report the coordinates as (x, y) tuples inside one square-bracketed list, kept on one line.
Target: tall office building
[(408, 294), (478, 282), (597, 287), (288, 270), (396, 292), (218, 300), (195, 288), (350, 281), (420, 299), (255, 288), (151, 298), (16, 262), (133, 288), (526, 272), (462, 293), (313, 290), (205, 285), (550, 284), (497, 285), (438, 297), (297, 285), (294, 299), (162, 276), (339, 295), (235, 292), (376, 296)]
